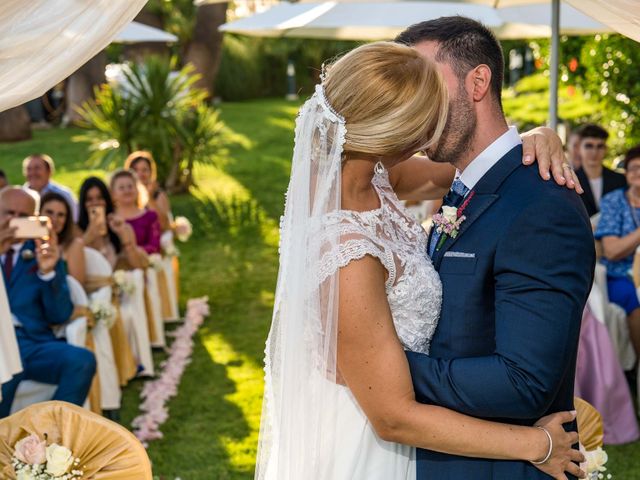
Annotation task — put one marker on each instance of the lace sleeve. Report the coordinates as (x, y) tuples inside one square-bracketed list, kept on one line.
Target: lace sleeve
[(355, 243)]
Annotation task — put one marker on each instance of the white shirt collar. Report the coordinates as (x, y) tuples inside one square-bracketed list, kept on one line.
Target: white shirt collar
[(489, 157)]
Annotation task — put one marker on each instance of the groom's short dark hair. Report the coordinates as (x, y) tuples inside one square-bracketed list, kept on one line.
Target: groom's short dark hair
[(464, 44)]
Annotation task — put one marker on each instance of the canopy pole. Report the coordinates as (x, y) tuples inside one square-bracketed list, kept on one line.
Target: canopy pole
[(555, 64)]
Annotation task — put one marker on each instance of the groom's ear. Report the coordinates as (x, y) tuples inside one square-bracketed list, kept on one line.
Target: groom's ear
[(480, 79)]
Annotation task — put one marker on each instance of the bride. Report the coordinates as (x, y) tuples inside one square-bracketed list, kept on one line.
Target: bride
[(356, 288)]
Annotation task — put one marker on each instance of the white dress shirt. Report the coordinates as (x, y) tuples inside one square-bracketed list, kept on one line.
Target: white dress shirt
[(489, 157)]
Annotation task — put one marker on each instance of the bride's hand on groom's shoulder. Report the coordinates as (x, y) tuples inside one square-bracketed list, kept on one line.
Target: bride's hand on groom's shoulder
[(544, 146), (564, 458)]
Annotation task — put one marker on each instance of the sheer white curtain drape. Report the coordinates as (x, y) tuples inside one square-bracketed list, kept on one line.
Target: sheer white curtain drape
[(45, 41), (9, 356), (621, 15)]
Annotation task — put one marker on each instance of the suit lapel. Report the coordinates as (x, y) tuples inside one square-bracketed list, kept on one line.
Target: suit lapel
[(588, 193), (477, 206), (21, 264), (485, 195)]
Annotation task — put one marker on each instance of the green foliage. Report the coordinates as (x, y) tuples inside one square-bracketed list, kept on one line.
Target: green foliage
[(610, 63), (257, 67), (155, 109), (527, 103)]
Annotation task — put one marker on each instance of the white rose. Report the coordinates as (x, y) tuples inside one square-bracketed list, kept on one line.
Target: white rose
[(596, 459), (450, 213), (59, 459), (119, 276), (25, 475)]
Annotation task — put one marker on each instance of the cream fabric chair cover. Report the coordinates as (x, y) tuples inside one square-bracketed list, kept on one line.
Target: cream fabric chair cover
[(10, 363), (29, 391), (110, 395), (167, 242), (153, 293), (56, 37), (135, 322), (107, 451)]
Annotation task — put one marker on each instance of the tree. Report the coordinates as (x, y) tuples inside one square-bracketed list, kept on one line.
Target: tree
[(15, 124), (81, 83)]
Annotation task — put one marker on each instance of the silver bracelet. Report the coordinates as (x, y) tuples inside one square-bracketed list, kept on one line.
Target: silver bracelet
[(545, 459)]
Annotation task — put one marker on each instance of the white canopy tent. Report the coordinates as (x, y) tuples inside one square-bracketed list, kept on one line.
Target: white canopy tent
[(384, 20), (356, 20), (135, 32)]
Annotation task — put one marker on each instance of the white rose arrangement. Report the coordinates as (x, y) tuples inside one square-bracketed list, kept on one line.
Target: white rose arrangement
[(595, 464), (104, 312), (33, 460), (155, 262), (124, 282), (182, 228), (171, 250)]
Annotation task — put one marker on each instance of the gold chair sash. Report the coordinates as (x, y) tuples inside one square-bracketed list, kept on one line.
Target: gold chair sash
[(122, 353), (163, 289), (94, 283), (153, 335), (123, 356), (107, 450), (95, 400), (590, 425), (176, 274)]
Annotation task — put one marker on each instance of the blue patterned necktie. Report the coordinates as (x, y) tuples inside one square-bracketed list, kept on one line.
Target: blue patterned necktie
[(453, 198)]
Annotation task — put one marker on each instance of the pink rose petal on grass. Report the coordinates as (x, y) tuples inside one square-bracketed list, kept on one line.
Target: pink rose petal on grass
[(156, 393)]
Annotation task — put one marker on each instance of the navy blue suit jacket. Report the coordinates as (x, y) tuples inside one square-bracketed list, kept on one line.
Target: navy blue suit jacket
[(37, 304), (515, 281)]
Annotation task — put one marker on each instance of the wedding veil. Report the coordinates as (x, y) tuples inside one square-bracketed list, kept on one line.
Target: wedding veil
[(296, 433)]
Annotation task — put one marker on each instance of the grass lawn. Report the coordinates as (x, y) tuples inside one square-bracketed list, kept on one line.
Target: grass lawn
[(232, 258)]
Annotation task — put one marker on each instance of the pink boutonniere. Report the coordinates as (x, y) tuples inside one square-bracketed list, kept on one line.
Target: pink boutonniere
[(448, 222)]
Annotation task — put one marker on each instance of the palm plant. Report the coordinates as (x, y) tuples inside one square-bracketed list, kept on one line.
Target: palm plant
[(158, 109)]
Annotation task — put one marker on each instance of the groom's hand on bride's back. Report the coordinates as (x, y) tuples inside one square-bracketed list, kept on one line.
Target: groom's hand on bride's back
[(544, 146), (564, 458)]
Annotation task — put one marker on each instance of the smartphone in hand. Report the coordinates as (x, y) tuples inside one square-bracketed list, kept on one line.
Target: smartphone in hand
[(31, 227), (98, 214)]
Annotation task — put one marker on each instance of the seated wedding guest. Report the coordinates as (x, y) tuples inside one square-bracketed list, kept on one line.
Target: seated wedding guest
[(104, 230), (39, 298), (38, 170), (145, 223), (56, 207), (619, 230), (3, 180), (144, 165), (573, 149), (596, 179)]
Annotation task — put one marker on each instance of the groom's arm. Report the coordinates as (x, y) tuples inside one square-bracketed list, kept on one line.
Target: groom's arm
[(543, 272)]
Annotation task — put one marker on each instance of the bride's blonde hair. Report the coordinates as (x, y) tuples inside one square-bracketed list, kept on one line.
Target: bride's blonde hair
[(393, 100)]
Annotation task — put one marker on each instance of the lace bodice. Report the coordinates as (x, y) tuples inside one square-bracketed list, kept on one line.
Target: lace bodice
[(393, 236)]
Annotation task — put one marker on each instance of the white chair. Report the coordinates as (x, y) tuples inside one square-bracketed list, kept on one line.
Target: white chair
[(134, 317), (167, 243), (153, 293), (30, 391), (613, 316), (10, 363), (97, 266)]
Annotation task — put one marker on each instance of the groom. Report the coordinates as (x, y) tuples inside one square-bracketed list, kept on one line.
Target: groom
[(517, 275)]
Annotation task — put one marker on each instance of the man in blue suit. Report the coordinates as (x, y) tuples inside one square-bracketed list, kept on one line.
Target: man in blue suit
[(517, 275), (39, 299)]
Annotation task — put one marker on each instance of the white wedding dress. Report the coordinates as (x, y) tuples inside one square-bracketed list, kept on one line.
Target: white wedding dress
[(414, 292)]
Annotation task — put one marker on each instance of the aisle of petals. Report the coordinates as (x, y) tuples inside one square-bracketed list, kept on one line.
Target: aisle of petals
[(156, 393)]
